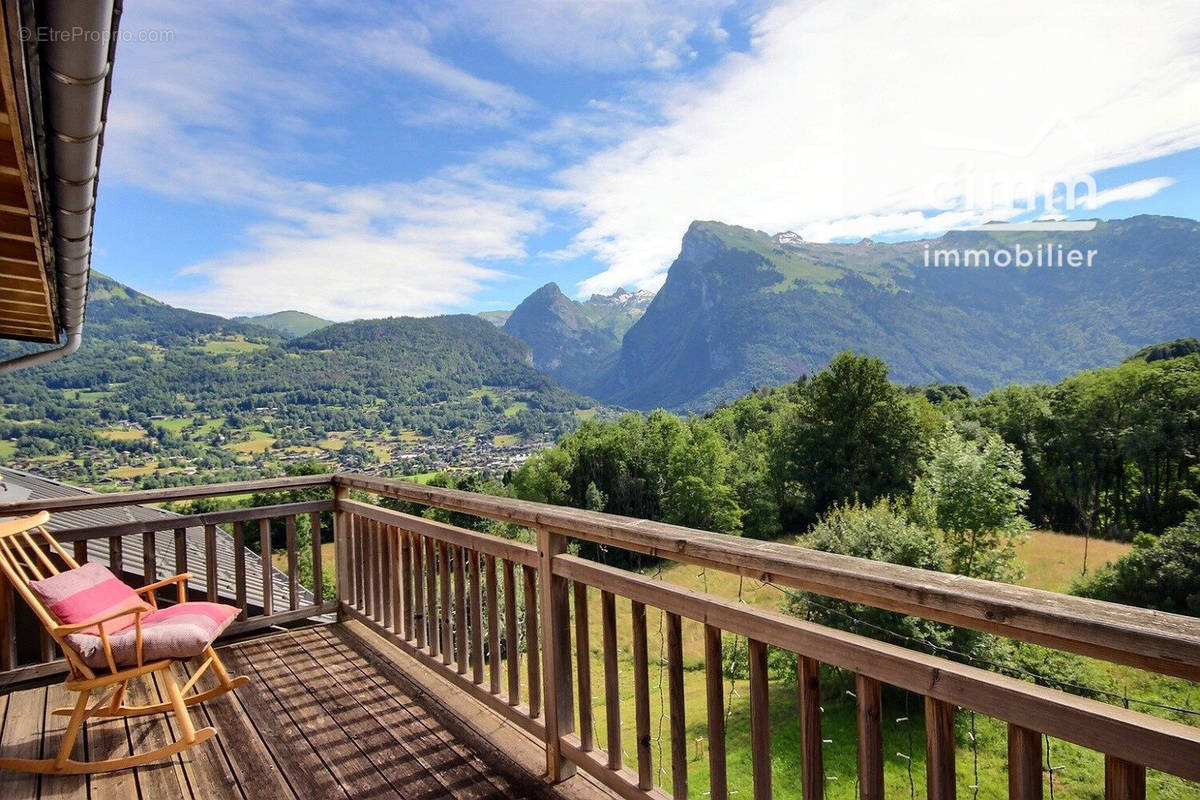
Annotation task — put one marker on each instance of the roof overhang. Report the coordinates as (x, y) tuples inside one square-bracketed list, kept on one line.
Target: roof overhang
[(55, 80)]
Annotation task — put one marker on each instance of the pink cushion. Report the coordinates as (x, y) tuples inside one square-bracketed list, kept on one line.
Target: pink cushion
[(179, 631), (86, 593)]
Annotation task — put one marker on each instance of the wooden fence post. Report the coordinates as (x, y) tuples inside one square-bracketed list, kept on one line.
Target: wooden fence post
[(557, 692), (341, 551)]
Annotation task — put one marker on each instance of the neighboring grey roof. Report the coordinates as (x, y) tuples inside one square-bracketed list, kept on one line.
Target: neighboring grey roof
[(18, 485)]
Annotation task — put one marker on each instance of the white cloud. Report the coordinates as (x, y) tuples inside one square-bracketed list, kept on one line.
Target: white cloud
[(1137, 190), (403, 249), (600, 35), (843, 114), (223, 113)]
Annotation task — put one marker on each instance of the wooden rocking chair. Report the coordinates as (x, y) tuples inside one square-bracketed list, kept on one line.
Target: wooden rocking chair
[(28, 556)]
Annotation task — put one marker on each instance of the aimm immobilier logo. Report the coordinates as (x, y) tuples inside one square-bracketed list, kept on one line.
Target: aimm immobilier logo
[(1046, 254)]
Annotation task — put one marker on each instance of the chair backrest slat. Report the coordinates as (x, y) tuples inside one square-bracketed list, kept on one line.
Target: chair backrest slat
[(20, 555), (40, 552)]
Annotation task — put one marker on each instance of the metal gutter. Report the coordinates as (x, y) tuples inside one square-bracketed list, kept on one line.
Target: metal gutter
[(70, 74)]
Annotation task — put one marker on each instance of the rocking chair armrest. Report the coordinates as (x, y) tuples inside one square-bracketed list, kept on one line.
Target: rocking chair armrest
[(180, 579), (96, 622)]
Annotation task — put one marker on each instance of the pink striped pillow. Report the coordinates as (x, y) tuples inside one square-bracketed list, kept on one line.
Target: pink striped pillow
[(88, 592)]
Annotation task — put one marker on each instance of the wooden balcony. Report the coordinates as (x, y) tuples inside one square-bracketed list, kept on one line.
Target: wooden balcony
[(503, 649)]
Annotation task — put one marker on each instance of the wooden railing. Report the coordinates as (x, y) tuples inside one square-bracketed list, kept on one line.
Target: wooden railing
[(450, 598), (222, 572), (540, 636)]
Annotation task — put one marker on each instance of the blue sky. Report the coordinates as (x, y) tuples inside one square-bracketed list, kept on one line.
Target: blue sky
[(363, 159)]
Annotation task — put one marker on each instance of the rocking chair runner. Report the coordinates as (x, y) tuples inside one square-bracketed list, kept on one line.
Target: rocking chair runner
[(107, 649)]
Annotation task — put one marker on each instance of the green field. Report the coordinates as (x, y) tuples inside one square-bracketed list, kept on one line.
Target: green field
[(7, 448), (505, 439), (234, 346), (121, 434), (257, 443)]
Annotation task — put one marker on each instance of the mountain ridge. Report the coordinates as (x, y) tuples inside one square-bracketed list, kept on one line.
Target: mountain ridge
[(742, 309)]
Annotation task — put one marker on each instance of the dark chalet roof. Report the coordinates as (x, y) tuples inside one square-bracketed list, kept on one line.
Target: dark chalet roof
[(17, 486)]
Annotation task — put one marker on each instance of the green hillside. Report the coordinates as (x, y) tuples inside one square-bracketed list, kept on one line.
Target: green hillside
[(158, 395), (288, 323)]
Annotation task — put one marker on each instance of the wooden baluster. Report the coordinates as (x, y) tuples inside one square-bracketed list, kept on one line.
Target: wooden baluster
[(420, 610), (939, 750), (460, 608), (210, 563), (1123, 780), (290, 528), (812, 760), (555, 619), (869, 694), (358, 560), (432, 614), (264, 544), (181, 561), (583, 667), (532, 647), (387, 592), (1024, 764), (318, 569), (476, 621), (149, 559), (406, 583), (512, 654), (396, 574), (8, 628), (80, 554), (679, 776), (612, 688), (718, 783), (447, 610), (341, 546), (641, 695), (493, 625), (116, 560), (760, 720), (239, 567), (369, 566)]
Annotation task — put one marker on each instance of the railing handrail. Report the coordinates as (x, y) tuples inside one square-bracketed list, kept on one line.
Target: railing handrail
[(110, 499), (1154, 640)]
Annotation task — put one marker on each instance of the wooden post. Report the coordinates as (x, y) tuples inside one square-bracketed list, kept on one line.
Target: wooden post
[(239, 568), (556, 655), (512, 653), (870, 737), (718, 785), (1024, 764), (181, 557), (290, 528), (341, 551), (760, 721), (210, 562), (641, 697), (939, 750), (583, 667), (812, 757), (264, 546), (314, 522), (612, 688), (1123, 780), (679, 776), (493, 625)]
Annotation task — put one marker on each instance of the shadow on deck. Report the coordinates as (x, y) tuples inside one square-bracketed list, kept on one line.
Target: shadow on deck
[(328, 714)]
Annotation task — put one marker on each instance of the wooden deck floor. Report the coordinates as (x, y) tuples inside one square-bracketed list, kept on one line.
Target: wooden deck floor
[(318, 720)]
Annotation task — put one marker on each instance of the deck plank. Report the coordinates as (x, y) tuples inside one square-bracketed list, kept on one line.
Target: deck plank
[(60, 787), (289, 743), (401, 721), (375, 728), (324, 716), (21, 738)]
